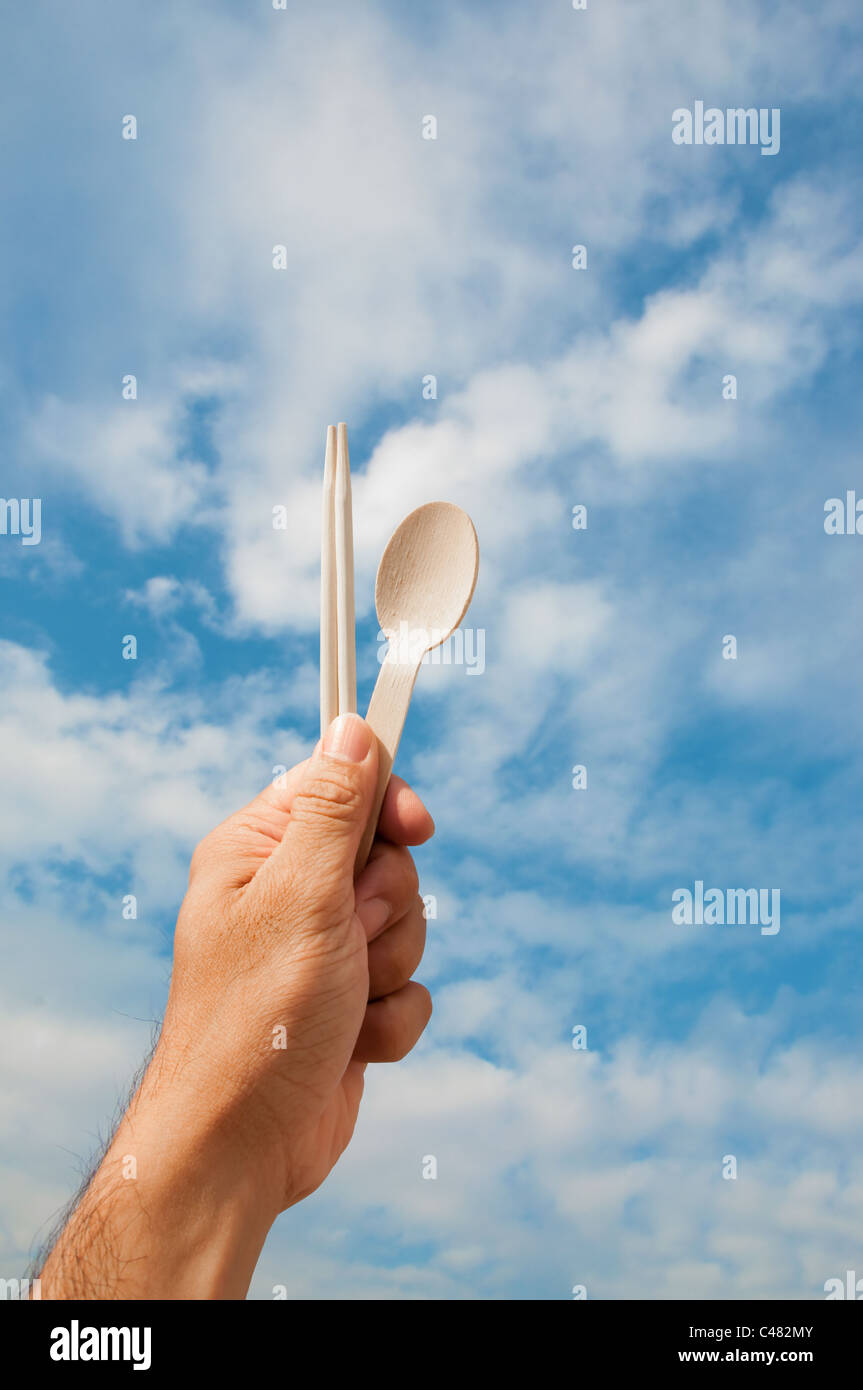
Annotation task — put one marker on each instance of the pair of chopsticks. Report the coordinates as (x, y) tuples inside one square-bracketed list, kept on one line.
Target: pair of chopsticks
[(338, 633)]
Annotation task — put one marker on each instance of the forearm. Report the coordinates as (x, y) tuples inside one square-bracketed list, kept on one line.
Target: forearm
[(176, 1209)]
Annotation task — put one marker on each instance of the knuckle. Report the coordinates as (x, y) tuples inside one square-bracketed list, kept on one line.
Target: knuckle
[(334, 796), (411, 879), (391, 965), (418, 939), (399, 874), (401, 1041), (407, 1026), (200, 855), (412, 944)]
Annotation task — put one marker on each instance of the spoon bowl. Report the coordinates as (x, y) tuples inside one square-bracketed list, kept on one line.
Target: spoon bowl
[(427, 576), (425, 583)]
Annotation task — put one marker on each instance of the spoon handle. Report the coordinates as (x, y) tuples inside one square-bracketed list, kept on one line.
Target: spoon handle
[(387, 712)]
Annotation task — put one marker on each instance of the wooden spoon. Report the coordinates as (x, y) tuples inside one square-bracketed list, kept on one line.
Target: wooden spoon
[(425, 583)]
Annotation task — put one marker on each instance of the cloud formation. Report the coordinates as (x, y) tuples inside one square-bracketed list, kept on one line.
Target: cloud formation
[(555, 387)]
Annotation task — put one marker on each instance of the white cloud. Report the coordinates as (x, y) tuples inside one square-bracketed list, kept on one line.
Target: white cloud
[(542, 1182), (407, 257), (110, 779)]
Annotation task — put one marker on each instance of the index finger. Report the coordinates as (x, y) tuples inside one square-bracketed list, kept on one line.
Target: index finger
[(404, 819)]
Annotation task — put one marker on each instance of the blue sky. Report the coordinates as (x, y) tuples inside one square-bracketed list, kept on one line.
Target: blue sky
[(603, 647)]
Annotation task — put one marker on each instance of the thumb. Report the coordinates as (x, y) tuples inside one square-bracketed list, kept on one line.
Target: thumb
[(331, 805)]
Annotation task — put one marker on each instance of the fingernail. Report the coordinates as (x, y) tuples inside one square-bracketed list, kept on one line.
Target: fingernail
[(374, 914), (348, 738)]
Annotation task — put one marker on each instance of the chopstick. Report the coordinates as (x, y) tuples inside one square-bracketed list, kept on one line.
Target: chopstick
[(347, 642), (329, 610), (338, 630)]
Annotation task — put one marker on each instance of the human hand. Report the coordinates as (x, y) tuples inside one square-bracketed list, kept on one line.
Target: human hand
[(288, 979), (288, 975)]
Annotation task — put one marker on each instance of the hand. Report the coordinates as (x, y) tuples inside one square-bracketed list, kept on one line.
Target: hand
[(289, 975), (288, 979)]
